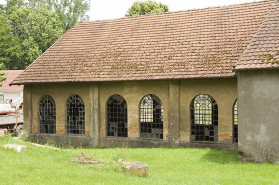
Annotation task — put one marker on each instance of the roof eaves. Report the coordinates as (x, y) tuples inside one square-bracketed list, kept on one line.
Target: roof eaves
[(130, 80)]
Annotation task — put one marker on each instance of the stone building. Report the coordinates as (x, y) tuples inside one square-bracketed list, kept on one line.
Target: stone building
[(163, 80)]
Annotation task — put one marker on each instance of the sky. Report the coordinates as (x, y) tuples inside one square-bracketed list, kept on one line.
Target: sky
[(111, 9)]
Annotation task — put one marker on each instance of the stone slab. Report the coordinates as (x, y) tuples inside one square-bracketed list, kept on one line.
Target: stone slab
[(135, 168), (18, 148)]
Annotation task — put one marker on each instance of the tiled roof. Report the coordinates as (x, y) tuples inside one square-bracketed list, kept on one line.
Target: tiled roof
[(203, 43), (10, 76), (263, 51)]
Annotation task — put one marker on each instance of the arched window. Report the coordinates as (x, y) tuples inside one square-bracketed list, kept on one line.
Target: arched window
[(235, 123), (204, 118), (75, 115), (151, 117), (117, 116), (47, 115)]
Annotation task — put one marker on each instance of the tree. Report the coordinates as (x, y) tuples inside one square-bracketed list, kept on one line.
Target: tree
[(146, 7), (3, 41), (3, 76), (68, 11), (42, 27), (4, 36), (9, 44), (29, 28), (29, 32), (39, 23), (72, 11)]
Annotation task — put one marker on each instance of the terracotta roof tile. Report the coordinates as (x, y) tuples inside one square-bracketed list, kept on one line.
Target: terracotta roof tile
[(204, 43), (263, 51)]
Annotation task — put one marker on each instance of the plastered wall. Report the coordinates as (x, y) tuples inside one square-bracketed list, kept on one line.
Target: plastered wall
[(176, 97), (258, 106), (222, 90), (133, 92), (60, 93)]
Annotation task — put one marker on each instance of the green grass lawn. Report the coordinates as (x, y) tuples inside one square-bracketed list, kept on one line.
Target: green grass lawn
[(166, 166)]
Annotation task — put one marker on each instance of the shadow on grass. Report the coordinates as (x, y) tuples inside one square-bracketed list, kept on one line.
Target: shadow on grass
[(220, 156)]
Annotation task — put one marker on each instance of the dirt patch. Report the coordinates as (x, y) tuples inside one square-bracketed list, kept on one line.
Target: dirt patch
[(84, 158)]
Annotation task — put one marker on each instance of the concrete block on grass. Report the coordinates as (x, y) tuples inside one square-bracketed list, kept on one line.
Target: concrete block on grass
[(18, 148), (135, 168)]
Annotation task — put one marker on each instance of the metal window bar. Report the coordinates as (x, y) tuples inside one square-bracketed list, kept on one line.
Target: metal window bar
[(75, 115), (235, 123), (47, 115), (151, 117), (204, 118), (117, 116)]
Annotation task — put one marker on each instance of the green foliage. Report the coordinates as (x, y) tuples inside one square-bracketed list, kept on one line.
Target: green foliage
[(32, 31), (42, 27), (3, 76), (13, 5), (146, 7), (4, 36), (29, 28), (9, 44), (69, 12), (72, 11)]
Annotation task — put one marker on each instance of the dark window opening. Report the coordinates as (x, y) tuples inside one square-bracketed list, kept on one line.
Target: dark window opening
[(47, 115), (204, 118), (117, 116), (151, 117), (75, 115), (235, 123)]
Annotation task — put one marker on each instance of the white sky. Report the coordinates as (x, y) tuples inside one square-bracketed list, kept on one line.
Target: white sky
[(111, 9)]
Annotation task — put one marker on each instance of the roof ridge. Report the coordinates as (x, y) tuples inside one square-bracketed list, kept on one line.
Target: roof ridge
[(174, 12)]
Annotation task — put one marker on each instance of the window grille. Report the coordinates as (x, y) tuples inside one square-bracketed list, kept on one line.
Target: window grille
[(235, 123), (204, 118), (75, 115), (151, 117), (47, 115), (117, 116)]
